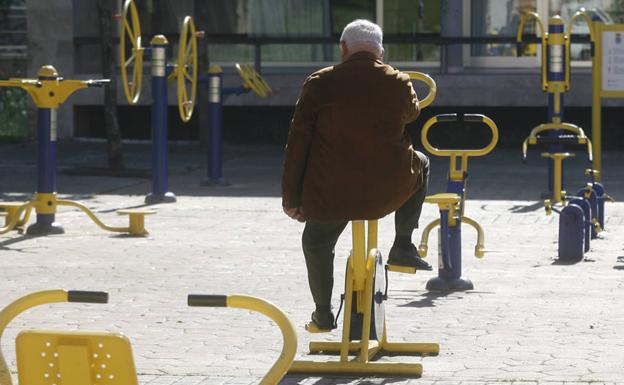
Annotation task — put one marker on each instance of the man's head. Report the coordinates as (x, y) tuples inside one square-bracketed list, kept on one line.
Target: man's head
[(361, 35)]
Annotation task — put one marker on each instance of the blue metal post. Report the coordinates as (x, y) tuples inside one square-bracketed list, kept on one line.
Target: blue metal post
[(215, 128), (555, 77), (450, 265), (46, 169), (160, 163)]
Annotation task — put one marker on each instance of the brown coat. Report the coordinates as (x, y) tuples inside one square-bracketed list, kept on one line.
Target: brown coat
[(348, 155)]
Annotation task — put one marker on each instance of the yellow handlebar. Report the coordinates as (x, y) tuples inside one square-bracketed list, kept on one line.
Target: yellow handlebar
[(544, 33), (463, 154), (573, 128), (289, 348), (428, 80), (580, 13), (20, 305)]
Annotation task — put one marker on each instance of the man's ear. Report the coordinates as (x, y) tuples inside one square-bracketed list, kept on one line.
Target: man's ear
[(344, 51)]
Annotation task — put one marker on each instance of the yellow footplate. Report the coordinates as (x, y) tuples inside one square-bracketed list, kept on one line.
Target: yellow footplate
[(401, 269), (311, 327)]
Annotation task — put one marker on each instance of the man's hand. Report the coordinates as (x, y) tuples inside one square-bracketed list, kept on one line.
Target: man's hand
[(295, 213)]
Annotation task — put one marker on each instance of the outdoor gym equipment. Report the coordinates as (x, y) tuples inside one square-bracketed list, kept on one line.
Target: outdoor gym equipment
[(184, 72), (289, 347), (451, 205), (252, 81), (580, 219), (45, 357), (555, 81), (49, 91), (364, 331)]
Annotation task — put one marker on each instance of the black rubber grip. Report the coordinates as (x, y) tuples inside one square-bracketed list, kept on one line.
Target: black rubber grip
[(447, 118), (87, 296), (207, 300), (564, 139)]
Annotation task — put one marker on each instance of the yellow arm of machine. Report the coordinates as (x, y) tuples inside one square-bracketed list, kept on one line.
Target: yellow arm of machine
[(568, 37), (578, 131), (525, 17), (428, 80)]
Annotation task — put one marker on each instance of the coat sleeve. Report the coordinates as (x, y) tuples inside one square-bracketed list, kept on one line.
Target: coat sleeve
[(412, 107), (299, 138)]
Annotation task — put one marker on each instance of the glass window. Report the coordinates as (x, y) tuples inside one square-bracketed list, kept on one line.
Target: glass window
[(607, 11), (345, 11), (408, 17), (498, 18)]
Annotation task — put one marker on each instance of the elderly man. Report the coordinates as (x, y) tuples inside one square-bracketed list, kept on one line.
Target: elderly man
[(349, 157)]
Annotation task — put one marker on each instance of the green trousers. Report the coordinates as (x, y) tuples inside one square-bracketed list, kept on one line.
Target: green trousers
[(319, 240)]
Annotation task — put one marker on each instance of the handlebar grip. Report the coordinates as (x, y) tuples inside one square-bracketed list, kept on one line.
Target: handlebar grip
[(98, 83), (207, 300), (478, 118), (87, 296)]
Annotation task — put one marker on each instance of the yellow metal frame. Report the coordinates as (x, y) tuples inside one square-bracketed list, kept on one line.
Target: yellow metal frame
[(558, 158), (48, 202), (454, 154), (132, 29), (48, 90), (428, 80), (454, 203), (578, 131), (523, 19), (359, 283), (253, 81)]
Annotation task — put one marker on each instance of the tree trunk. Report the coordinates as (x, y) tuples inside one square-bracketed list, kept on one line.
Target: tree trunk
[(111, 123)]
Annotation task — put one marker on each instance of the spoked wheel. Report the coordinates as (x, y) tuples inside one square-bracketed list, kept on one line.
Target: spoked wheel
[(186, 70), (252, 80), (377, 308), (131, 56)]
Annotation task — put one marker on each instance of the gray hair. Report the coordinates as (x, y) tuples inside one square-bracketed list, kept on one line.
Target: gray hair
[(363, 35)]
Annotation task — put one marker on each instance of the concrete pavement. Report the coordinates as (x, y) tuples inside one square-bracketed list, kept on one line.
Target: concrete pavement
[(529, 320)]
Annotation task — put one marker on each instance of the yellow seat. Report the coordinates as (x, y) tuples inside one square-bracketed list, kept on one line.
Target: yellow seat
[(74, 358), (137, 220), (443, 199)]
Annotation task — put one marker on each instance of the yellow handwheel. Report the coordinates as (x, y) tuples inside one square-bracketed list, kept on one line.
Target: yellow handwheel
[(130, 28), (252, 80), (428, 80), (186, 70)]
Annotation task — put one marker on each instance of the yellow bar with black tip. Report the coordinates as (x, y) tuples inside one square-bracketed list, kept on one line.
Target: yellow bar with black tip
[(289, 346)]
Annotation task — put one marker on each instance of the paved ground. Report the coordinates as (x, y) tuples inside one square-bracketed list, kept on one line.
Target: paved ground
[(529, 320)]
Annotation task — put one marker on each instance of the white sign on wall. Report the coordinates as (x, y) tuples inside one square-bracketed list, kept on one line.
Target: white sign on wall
[(613, 60)]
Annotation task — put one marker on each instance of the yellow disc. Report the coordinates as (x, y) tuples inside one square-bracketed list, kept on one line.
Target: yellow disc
[(252, 80), (186, 70), (130, 29)]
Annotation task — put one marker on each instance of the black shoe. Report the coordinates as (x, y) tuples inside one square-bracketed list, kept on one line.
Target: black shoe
[(323, 320), (409, 257)]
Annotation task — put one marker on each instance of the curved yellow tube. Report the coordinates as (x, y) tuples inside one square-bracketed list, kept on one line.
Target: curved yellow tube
[(17, 307), (479, 248), (525, 16), (15, 220), (573, 128), (289, 348), (428, 80), (424, 238), (580, 13), (62, 202), (458, 152)]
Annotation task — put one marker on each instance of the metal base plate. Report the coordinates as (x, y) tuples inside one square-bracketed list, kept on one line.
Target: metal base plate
[(168, 197), (45, 229), (449, 284)]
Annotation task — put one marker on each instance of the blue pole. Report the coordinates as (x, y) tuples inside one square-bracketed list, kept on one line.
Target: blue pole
[(46, 170), (160, 163), (555, 76), (215, 128)]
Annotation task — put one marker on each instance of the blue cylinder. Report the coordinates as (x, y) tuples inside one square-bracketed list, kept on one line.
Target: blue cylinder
[(571, 234), (585, 205), (160, 160), (46, 157)]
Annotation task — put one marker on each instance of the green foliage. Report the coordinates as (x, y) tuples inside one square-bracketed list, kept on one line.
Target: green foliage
[(12, 113)]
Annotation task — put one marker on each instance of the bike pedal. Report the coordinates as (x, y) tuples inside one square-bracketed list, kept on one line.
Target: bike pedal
[(401, 269), (311, 327)]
